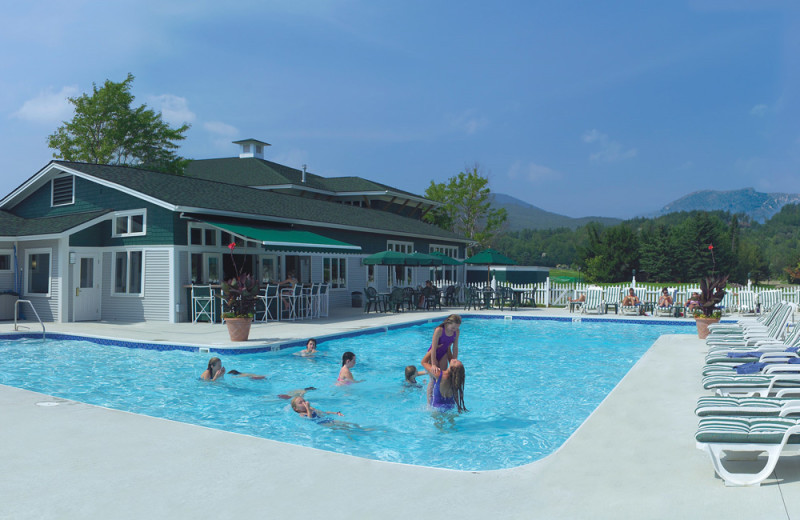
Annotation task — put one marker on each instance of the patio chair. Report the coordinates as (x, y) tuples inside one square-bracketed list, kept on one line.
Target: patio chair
[(450, 296), (324, 301), (506, 297), (373, 300), (733, 436), (411, 298), (396, 300), (432, 298), (291, 295), (203, 305), (268, 304), (473, 299)]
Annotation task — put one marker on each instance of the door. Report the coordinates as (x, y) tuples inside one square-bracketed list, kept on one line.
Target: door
[(86, 301)]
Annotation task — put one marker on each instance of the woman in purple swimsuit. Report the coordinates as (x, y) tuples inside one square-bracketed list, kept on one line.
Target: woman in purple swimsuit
[(443, 349), (448, 389)]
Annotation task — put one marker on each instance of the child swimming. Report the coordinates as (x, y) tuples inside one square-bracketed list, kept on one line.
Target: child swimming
[(412, 374), (345, 376), (310, 350)]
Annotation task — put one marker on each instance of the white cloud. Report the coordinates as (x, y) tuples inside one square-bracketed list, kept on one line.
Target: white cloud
[(174, 109), (759, 110), (610, 151), (222, 133), (48, 107), (467, 122), (533, 172)]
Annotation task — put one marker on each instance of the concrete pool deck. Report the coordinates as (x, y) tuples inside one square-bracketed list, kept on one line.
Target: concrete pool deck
[(634, 457)]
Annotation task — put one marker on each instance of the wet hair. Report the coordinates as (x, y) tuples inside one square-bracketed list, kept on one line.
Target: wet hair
[(294, 403), (453, 318), (211, 362), (457, 376), (411, 371), (347, 356)]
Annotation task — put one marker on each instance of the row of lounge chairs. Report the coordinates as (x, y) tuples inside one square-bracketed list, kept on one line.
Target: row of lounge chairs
[(753, 368)]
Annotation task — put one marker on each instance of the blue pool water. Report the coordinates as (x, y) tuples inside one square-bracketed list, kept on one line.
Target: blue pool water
[(529, 385)]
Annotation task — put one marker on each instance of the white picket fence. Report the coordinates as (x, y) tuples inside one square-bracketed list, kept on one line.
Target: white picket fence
[(552, 294)]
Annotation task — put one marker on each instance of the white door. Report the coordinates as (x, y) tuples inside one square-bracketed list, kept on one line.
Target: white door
[(86, 301)]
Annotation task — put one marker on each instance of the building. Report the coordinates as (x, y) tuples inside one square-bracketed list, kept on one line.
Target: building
[(90, 242)]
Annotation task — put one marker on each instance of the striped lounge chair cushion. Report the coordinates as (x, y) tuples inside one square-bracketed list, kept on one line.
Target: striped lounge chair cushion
[(745, 430), (752, 406), (744, 381)]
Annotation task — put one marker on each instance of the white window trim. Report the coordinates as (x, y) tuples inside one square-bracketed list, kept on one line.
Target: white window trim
[(52, 192), (338, 259), (127, 274), (405, 247), (451, 251), (41, 251), (128, 215), (10, 253)]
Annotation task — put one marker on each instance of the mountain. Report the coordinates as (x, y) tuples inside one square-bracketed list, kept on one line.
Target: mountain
[(522, 215), (759, 206)]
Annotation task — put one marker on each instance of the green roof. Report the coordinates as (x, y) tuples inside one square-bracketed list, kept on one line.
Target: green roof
[(199, 195), (14, 226)]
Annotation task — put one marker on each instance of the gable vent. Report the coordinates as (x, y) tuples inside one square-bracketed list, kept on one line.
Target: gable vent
[(63, 191)]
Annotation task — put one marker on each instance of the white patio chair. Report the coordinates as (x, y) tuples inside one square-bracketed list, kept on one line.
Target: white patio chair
[(203, 303)]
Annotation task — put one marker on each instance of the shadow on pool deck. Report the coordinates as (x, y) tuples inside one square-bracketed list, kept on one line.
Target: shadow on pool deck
[(633, 458)]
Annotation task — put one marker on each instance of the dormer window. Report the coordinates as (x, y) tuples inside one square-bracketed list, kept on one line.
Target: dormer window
[(130, 223), (62, 191)]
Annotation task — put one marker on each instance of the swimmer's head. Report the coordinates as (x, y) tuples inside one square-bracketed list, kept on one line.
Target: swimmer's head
[(347, 357), (454, 321), (311, 344), (457, 377), (298, 404), (411, 373), (214, 364)]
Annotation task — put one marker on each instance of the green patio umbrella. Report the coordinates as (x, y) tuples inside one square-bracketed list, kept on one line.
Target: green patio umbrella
[(387, 258), (446, 260), (489, 257), (425, 259)]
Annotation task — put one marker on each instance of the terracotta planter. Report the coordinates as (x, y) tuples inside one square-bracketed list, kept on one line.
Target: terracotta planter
[(238, 328), (702, 326)]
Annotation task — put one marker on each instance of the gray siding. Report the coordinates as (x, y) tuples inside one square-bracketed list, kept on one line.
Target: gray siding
[(154, 306)]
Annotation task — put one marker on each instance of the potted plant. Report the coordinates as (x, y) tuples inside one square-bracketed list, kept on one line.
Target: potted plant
[(240, 294), (712, 290)]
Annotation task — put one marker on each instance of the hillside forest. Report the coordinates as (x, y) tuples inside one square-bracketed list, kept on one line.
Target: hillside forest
[(678, 247)]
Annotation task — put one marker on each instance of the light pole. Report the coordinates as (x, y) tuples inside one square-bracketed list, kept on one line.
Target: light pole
[(633, 281)]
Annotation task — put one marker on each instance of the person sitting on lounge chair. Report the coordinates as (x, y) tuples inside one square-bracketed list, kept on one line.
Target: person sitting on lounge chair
[(665, 300), (631, 299), (693, 302)]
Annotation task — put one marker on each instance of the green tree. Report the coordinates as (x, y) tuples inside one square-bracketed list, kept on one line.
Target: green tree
[(106, 129), (467, 209)]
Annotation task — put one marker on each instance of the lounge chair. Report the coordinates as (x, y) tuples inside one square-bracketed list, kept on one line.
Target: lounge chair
[(594, 300), (738, 355), (761, 385), (611, 298), (634, 310), (747, 436), (746, 406), (747, 303), (749, 321), (668, 311), (751, 335)]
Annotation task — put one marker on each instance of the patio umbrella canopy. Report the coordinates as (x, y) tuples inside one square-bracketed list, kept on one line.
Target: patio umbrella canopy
[(489, 257), (446, 260), (387, 258), (425, 259)]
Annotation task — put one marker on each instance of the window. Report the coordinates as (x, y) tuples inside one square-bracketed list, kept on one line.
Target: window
[(451, 251), (128, 272), (334, 272), (211, 237), (129, 224), (62, 191), (195, 236), (37, 280), (5, 260), (402, 247)]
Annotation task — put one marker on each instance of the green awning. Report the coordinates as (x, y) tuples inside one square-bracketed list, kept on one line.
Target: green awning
[(286, 239)]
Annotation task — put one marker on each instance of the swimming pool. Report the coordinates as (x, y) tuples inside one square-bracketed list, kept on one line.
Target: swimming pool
[(530, 384)]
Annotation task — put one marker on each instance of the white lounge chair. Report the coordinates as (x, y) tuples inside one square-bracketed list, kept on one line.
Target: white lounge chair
[(709, 405), (745, 437), (594, 300), (747, 303)]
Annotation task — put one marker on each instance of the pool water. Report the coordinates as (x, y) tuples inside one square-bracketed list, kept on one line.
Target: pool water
[(529, 385)]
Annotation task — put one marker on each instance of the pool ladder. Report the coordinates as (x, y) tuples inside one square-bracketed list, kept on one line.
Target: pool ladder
[(16, 314)]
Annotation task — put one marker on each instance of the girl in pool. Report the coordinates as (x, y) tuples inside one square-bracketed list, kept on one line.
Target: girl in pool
[(304, 408), (444, 345), (310, 350), (448, 389), (345, 376), (216, 371)]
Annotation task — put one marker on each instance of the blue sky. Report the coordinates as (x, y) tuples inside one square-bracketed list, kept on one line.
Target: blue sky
[(580, 108)]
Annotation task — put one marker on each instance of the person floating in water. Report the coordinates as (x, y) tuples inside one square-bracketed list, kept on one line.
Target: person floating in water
[(216, 371), (310, 350), (345, 375), (304, 408), (448, 389)]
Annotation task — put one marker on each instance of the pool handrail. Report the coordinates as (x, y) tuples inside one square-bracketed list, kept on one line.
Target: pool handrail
[(16, 314)]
